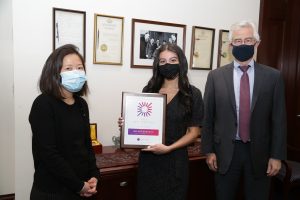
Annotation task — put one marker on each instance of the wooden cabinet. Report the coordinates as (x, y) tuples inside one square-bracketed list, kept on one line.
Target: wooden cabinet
[(119, 170), (118, 184)]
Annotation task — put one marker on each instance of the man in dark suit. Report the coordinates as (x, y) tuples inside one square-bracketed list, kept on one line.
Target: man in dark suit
[(244, 130)]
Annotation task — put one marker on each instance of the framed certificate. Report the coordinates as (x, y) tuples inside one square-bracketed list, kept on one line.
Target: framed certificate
[(224, 52), (144, 119), (202, 47), (69, 28), (108, 40)]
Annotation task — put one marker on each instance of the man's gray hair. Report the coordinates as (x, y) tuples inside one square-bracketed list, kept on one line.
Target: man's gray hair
[(242, 24)]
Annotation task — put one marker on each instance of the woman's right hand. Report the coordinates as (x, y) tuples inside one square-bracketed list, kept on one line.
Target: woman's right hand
[(120, 122)]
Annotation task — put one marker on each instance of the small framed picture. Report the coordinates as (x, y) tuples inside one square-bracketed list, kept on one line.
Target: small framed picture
[(108, 39), (144, 119), (202, 48), (147, 36), (224, 51), (69, 28)]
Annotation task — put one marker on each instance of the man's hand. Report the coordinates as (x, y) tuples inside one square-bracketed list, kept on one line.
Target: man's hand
[(211, 161), (274, 166)]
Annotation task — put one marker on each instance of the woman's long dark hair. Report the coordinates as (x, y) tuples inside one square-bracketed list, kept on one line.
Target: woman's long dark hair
[(156, 81), (50, 80)]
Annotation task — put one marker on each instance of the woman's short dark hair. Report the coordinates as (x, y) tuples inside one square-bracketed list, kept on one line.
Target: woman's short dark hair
[(50, 80)]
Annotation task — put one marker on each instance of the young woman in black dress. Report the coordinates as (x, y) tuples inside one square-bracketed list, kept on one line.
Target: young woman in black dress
[(163, 168)]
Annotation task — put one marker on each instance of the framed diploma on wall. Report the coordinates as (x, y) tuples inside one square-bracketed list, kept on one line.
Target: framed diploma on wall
[(224, 51), (144, 119), (202, 48), (108, 39), (147, 36), (69, 28)]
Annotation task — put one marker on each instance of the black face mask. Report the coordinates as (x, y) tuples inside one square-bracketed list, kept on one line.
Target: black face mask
[(169, 71), (243, 52)]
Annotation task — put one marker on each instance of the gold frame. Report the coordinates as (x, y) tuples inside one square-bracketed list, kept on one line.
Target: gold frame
[(105, 50)]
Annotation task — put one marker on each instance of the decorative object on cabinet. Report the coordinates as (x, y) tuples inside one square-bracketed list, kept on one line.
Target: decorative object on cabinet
[(147, 36), (108, 39), (224, 51), (116, 141), (202, 48), (69, 28), (97, 146)]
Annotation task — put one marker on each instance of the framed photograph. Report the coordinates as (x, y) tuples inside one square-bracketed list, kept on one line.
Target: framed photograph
[(144, 119), (69, 28), (147, 36), (224, 52), (202, 48), (108, 39)]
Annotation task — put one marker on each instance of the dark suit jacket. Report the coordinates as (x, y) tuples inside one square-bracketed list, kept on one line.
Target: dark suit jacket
[(268, 117)]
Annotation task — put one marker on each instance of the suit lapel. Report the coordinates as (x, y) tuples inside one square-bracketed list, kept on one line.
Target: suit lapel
[(228, 76), (258, 77)]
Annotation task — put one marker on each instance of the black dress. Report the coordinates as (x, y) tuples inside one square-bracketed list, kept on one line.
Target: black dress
[(163, 177)]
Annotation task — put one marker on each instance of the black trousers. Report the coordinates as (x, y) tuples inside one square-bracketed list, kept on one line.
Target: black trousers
[(36, 194), (227, 185)]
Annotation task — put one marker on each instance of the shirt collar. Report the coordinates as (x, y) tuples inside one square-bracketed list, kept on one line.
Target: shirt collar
[(236, 64)]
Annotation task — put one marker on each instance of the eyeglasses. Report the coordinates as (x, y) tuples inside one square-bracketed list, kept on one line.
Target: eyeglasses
[(163, 61), (246, 41)]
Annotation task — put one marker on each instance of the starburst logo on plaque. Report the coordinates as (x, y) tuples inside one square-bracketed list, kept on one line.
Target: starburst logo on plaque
[(144, 109)]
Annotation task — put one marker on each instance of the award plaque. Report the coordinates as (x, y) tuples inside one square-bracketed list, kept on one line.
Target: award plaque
[(144, 119), (97, 146)]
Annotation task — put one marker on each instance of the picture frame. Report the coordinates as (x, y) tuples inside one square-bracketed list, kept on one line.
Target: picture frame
[(69, 27), (202, 48), (108, 39), (224, 50), (144, 117), (148, 35)]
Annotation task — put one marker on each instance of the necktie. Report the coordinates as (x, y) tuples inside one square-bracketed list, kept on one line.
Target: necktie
[(244, 113)]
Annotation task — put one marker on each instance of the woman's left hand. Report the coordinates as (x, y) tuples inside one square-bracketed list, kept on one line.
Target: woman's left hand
[(158, 149)]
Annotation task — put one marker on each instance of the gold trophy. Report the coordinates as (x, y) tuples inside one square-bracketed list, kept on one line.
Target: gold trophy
[(97, 146)]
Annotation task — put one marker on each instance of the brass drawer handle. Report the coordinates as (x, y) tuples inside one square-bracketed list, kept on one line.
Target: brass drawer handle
[(123, 184)]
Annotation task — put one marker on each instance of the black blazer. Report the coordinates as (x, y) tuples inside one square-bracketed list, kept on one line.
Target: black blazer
[(268, 117)]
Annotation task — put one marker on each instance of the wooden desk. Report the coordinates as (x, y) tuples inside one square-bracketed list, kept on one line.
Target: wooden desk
[(119, 167)]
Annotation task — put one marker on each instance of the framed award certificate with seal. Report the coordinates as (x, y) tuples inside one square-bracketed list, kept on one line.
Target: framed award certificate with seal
[(108, 40), (144, 119)]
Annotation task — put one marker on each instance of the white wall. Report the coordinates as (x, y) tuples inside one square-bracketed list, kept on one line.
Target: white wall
[(7, 150), (32, 43)]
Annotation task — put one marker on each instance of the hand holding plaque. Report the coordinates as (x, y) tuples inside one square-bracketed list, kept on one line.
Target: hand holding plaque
[(97, 146)]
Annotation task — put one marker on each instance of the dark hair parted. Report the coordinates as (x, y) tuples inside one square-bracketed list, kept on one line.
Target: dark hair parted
[(156, 81), (50, 80)]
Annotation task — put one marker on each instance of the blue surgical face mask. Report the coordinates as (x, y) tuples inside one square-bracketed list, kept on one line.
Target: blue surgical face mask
[(73, 81)]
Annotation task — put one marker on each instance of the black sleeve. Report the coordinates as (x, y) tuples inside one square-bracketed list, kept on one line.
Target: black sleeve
[(208, 121), (197, 108), (44, 140), (93, 170)]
